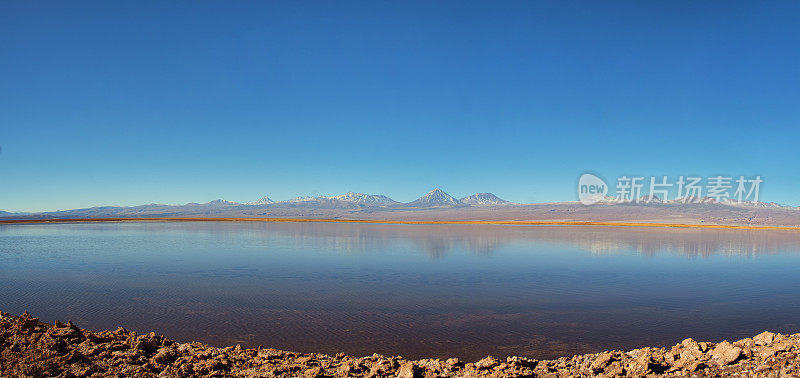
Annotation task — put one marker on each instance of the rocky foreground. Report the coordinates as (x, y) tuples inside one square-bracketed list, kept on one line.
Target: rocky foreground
[(29, 347)]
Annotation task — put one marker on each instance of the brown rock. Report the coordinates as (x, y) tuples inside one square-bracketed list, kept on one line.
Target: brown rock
[(521, 361), (428, 364), (165, 356), (726, 353), (27, 321), (487, 363), (642, 364), (773, 349), (121, 331), (691, 352), (615, 369), (72, 325), (345, 368), (407, 370), (693, 365), (602, 360), (764, 338), (453, 362), (31, 348), (65, 332), (314, 372)]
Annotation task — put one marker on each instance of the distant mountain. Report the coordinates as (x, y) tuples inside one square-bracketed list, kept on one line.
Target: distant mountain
[(648, 199), (222, 202), (762, 205), (435, 198), (12, 214), (483, 199), (348, 200), (366, 199), (645, 199), (302, 199), (601, 199), (261, 201), (693, 200)]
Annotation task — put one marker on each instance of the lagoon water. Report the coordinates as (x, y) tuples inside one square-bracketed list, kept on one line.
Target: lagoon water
[(412, 290)]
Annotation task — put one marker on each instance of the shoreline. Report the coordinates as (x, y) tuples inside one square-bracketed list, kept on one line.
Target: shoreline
[(29, 347), (406, 222)]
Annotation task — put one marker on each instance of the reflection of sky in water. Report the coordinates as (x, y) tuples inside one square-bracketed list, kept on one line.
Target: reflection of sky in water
[(415, 290)]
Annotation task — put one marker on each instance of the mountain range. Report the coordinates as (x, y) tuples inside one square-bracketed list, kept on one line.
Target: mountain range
[(350, 201), (436, 198), (438, 205)]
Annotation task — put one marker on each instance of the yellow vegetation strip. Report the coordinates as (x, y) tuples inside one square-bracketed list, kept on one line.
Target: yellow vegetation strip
[(532, 223)]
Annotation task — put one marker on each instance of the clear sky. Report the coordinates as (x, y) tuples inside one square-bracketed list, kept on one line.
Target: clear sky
[(126, 103)]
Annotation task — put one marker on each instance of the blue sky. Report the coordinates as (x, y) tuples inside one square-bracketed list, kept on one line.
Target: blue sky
[(171, 102)]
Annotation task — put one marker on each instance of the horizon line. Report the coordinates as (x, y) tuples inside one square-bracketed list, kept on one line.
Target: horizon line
[(367, 221)]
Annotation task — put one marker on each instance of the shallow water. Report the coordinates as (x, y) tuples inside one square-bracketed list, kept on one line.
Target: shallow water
[(413, 290)]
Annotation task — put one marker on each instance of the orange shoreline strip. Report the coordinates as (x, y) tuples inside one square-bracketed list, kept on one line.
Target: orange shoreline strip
[(531, 223)]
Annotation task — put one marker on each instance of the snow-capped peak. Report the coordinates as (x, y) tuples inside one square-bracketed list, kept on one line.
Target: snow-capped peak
[(262, 201), (349, 197), (483, 199), (436, 197), (222, 202), (366, 199)]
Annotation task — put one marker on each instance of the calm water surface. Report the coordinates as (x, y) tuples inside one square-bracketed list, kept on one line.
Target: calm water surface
[(414, 290)]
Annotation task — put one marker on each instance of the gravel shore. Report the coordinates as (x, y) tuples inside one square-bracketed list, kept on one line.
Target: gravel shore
[(29, 347)]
